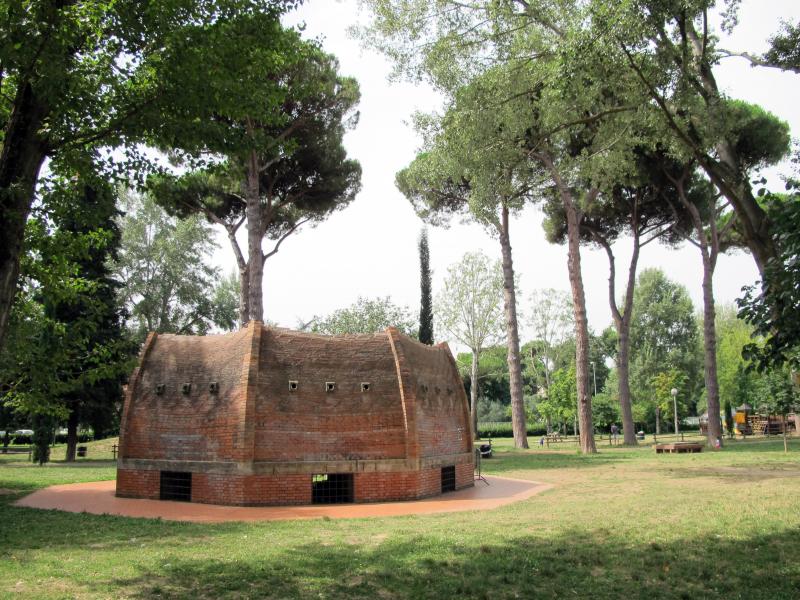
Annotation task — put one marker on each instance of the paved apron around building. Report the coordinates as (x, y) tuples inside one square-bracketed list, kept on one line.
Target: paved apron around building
[(98, 498)]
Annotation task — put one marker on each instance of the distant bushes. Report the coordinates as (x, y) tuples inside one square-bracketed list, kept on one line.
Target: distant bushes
[(27, 440), (503, 429)]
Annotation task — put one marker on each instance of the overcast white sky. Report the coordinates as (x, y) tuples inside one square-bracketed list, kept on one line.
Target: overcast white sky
[(370, 248)]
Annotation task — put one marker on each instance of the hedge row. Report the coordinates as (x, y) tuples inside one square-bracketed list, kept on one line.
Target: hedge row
[(504, 429), (25, 440)]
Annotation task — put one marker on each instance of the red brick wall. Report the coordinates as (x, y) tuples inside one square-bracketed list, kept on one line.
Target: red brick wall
[(313, 424), (435, 397), (138, 484), (197, 426), (415, 410), (213, 488)]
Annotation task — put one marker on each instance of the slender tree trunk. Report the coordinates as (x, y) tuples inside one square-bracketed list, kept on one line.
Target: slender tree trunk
[(622, 323), (785, 441), (244, 296), (658, 421), (20, 161), (241, 265), (512, 335), (581, 324), (473, 392), (72, 435), (708, 243), (710, 346), (255, 259), (579, 303)]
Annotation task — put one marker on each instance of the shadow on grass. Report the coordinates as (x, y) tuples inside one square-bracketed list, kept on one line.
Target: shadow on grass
[(573, 565), (25, 529)]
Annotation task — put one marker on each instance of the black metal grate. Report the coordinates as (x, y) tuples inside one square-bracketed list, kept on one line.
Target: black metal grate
[(332, 488), (448, 479), (176, 486)]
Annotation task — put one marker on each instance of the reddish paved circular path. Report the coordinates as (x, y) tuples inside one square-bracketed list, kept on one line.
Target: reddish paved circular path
[(98, 498)]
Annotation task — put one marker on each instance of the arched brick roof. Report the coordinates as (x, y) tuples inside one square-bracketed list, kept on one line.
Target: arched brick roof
[(258, 400)]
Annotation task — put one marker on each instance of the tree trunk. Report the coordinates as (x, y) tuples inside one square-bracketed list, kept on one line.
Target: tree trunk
[(581, 324), (710, 347), (255, 259), (20, 161), (241, 265), (244, 296), (72, 435), (658, 421), (473, 393), (622, 324), (785, 442), (623, 372), (512, 334)]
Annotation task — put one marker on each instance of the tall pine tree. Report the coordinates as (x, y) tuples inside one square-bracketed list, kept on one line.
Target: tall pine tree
[(426, 302)]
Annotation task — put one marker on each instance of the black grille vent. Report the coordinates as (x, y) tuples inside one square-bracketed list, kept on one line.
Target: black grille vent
[(332, 488), (176, 486), (448, 479)]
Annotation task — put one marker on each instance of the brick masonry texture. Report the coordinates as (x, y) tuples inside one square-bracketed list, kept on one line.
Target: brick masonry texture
[(222, 407)]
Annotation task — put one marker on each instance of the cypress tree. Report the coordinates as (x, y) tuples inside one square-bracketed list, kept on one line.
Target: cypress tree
[(426, 302)]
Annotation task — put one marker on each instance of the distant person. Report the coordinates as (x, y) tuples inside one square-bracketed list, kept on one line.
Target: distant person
[(614, 432)]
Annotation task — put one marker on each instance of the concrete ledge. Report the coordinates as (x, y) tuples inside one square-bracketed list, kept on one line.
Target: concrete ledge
[(389, 465)]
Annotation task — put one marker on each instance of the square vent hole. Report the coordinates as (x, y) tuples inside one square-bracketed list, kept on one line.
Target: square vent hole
[(365, 387), (330, 386), (176, 486), (332, 488), (292, 386)]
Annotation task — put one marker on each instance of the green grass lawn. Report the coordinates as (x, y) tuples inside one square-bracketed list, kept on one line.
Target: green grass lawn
[(622, 524)]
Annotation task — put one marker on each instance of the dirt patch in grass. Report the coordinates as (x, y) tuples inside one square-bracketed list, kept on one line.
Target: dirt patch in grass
[(744, 474)]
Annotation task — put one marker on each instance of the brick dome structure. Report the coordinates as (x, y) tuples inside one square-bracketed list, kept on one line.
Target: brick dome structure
[(267, 416)]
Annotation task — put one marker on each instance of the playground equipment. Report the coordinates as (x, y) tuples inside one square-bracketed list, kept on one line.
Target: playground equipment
[(747, 422)]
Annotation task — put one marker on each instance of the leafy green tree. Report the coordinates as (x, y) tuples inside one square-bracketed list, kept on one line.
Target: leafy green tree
[(284, 161), (468, 309), (605, 410), (492, 411), (638, 207), (458, 174), (365, 316), (426, 297), (85, 74), (773, 309), (784, 51), (169, 287), (760, 139), (735, 379), (672, 53), (551, 321), (67, 352), (561, 403), (493, 381), (664, 337), (662, 384), (779, 395)]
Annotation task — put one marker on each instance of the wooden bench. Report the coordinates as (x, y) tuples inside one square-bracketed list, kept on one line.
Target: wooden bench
[(16, 449), (678, 447)]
